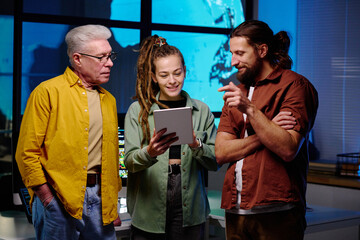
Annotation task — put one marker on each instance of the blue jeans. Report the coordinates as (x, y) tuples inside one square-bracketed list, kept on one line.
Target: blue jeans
[(53, 222)]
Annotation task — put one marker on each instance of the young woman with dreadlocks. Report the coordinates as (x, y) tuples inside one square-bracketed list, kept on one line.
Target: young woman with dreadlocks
[(166, 194)]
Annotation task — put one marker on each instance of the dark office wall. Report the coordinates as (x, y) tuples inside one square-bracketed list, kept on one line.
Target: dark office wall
[(329, 55)]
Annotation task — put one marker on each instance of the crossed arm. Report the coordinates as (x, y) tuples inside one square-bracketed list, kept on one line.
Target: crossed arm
[(275, 134)]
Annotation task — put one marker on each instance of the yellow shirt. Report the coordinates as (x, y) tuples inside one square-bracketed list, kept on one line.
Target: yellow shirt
[(53, 144)]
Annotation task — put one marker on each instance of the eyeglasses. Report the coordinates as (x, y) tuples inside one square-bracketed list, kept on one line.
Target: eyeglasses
[(103, 59)]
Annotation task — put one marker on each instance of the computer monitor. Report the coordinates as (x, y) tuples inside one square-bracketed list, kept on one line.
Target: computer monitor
[(122, 169), (123, 173)]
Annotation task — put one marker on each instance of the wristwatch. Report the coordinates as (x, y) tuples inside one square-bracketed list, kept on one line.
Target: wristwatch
[(200, 143)]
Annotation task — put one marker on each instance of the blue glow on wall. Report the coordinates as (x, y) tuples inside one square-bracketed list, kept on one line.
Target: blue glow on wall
[(281, 15)]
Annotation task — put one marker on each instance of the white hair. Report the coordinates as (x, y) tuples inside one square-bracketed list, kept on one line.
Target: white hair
[(78, 38)]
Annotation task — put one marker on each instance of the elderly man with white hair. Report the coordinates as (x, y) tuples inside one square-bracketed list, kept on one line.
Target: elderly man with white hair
[(67, 150)]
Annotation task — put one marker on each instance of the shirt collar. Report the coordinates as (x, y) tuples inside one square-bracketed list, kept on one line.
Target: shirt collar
[(71, 77), (274, 75), (74, 79)]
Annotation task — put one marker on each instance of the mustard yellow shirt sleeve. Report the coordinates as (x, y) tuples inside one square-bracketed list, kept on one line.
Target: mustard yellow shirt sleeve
[(29, 150)]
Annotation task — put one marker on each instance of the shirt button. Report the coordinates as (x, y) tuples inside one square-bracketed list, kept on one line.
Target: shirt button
[(85, 148), (79, 81), (83, 93), (83, 187), (183, 153), (184, 204), (84, 167), (184, 187), (184, 169), (85, 110), (86, 129)]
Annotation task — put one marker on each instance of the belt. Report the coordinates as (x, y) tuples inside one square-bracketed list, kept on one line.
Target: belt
[(93, 179), (174, 168)]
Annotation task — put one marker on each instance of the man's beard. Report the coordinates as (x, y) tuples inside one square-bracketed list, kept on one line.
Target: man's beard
[(248, 77)]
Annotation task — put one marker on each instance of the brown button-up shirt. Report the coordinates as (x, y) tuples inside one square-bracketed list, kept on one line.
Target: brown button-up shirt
[(267, 179)]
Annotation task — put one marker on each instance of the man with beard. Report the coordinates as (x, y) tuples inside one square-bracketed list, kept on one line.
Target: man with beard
[(263, 133)]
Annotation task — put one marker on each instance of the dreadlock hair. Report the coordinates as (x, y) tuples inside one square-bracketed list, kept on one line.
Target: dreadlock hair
[(152, 48), (257, 33)]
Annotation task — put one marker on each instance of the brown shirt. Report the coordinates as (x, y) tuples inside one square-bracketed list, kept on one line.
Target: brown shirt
[(267, 179)]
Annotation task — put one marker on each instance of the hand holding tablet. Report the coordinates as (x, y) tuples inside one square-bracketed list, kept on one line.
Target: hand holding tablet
[(175, 120)]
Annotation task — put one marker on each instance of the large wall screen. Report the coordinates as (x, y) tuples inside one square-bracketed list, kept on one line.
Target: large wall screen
[(207, 54), (125, 10), (6, 89), (199, 29), (211, 13)]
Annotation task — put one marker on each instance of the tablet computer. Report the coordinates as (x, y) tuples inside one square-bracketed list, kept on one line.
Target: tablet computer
[(178, 120)]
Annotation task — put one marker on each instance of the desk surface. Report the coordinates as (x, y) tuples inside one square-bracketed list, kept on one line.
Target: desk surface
[(318, 218), (332, 180), (14, 224)]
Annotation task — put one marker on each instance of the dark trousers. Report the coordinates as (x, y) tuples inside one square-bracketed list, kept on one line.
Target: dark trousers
[(174, 218), (282, 225)]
